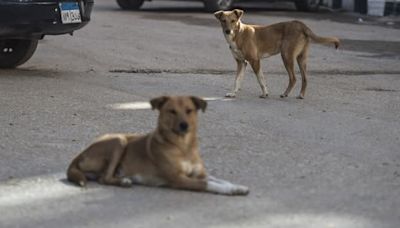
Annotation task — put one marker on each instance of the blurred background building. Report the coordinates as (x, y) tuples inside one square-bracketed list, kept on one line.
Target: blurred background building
[(370, 7)]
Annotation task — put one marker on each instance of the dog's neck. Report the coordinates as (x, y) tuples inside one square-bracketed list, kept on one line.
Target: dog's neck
[(182, 142), (234, 43), (239, 28)]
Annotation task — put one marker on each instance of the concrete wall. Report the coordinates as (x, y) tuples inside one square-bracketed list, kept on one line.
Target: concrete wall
[(376, 7), (348, 5)]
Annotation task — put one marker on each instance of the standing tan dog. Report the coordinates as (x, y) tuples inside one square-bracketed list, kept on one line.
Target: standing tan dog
[(169, 156), (251, 43)]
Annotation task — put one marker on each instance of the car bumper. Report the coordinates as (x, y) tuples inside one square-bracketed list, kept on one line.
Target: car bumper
[(34, 19)]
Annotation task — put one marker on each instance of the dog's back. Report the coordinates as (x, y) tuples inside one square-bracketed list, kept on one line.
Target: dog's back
[(290, 30)]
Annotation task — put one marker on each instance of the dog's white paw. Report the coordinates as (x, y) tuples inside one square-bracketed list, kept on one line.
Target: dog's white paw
[(231, 95), (226, 188), (240, 190), (126, 182)]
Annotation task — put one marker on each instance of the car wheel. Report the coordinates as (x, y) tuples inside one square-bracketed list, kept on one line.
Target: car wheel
[(307, 5), (14, 52), (215, 5), (130, 4)]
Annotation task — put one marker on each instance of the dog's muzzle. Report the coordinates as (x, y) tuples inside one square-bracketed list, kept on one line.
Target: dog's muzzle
[(183, 127)]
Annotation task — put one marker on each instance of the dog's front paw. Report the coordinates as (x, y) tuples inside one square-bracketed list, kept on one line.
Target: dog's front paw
[(231, 95), (225, 188), (240, 190), (126, 182), (300, 97), (263, 96), (284, 95)]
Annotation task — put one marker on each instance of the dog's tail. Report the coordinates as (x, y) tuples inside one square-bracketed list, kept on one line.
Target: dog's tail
[(75, 175), (320, 39)]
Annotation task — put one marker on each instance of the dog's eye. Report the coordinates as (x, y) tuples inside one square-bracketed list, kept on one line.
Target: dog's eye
[(232, 21), (172, 112), (224, 20), (188, 111)]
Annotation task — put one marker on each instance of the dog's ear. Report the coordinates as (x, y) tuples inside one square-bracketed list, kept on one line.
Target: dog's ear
[(238, 13), (158, 102), (199, 103), (218, 14)]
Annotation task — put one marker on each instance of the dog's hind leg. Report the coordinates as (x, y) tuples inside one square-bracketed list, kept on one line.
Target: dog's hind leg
[(288, 61), (255, 64), (302, 62), (109, 177), (241, 67), (75, 175)]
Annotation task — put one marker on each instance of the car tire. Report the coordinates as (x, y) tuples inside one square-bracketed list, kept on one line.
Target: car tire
[(130, 4), (307, 5), (14, 52), (215, 5)]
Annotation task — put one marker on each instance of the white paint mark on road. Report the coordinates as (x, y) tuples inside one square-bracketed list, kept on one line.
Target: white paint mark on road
[(139, 105), (142, 105), (217, 99)]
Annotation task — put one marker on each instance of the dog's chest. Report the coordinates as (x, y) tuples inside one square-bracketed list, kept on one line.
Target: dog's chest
[(191, 169), (237, 54)]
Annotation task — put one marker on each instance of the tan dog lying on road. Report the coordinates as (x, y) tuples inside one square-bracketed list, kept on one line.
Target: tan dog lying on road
[(168, 156), (251, 43)]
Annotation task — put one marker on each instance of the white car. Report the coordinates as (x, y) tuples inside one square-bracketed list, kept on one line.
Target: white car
[(215, 5)]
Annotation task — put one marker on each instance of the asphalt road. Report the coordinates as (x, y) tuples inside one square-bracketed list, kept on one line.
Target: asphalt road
[(331, 160)]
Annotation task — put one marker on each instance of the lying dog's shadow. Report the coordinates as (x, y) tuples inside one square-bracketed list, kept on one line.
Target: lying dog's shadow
[(64, 181)]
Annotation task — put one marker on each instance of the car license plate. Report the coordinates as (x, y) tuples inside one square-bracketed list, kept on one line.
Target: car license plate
[(70, 13)]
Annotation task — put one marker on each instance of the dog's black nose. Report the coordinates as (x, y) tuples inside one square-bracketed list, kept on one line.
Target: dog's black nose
[(228, 32), (183, 126)]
